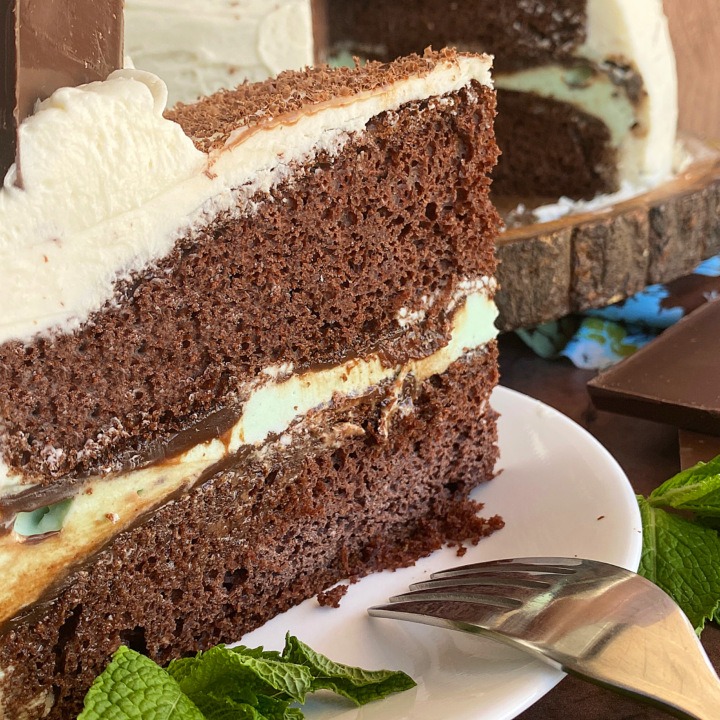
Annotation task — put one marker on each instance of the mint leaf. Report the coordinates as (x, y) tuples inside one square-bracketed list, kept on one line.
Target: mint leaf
[(258, 652), (228, 703), (360, 686), (223, 708), (696, 489), (134, 687), (179, 669), (229, 684), (682, 558), (274, 709), (223, 668)]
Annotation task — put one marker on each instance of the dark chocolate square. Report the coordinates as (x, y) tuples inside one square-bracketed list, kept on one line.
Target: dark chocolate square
[(674, 380)]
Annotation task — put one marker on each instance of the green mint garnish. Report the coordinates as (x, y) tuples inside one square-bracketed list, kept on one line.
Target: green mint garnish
[(274, 709), (360, 686), (696, 489), (258, 652), (683, 558), (229, 684), (680, 555), (133, 687), (224, 668)]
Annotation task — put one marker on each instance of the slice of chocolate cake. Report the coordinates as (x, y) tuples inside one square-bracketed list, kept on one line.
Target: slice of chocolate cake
[(246, 350)]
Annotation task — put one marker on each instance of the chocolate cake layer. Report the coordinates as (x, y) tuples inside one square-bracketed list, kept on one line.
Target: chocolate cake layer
[(519, 34), (367, 493), (319, 271), (550, 146)]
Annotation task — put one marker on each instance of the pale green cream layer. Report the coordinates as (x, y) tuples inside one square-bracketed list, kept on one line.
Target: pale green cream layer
[(108, 505), (594, 94)]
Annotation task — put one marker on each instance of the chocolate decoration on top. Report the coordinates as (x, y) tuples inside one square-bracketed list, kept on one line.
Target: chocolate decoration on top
[(673, 380), (49, 44)]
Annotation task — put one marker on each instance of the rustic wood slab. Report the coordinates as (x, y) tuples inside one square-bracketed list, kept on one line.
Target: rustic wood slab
[(594, 259)]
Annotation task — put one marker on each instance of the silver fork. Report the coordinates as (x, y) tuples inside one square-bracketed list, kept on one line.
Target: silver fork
[(593, 620)]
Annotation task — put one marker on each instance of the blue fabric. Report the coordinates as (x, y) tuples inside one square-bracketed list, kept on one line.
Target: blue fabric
[(600, 338)]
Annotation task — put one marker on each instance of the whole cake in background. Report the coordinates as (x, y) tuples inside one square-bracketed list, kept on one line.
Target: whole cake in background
[(200, 46), (587, 89), (246, 351)]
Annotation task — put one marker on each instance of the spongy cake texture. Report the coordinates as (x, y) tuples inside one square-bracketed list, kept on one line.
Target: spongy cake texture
[(257, 539), (331, 258)]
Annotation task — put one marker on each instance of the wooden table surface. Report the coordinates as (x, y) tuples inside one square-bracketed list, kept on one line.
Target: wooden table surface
[(648, 452)]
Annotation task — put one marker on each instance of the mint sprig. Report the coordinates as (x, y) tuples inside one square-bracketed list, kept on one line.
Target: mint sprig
[(683, 558), (696, 489), (682, 555), (360, 686), (134, 687), (229, 684), (221, 667)]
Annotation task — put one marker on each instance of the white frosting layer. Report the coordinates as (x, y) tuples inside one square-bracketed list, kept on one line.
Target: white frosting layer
[(622, 32), (98, 163), (200, 47), (637, 31), (124, 184), (113, 504)]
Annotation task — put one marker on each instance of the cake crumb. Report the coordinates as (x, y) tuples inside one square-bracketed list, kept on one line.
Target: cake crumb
[(602, 517), (112, 517), (461, 550), (332, 597)]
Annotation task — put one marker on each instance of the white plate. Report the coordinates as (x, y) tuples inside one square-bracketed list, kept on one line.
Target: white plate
[(557, 482)]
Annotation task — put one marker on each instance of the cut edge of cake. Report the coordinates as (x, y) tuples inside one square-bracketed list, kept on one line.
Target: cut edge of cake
[(389, 414)]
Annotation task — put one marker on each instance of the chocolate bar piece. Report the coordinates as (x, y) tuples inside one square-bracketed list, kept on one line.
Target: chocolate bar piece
[(49, 44), (675, 379)]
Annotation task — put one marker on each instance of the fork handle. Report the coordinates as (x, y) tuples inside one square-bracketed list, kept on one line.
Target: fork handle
[(706, 707)]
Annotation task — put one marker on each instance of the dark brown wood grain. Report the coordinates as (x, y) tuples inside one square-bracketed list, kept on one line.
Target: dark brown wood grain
[(594, 259), (609, 259), (534, 276)]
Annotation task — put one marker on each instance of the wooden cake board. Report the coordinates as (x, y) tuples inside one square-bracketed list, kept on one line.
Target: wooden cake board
[(594, 259)]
